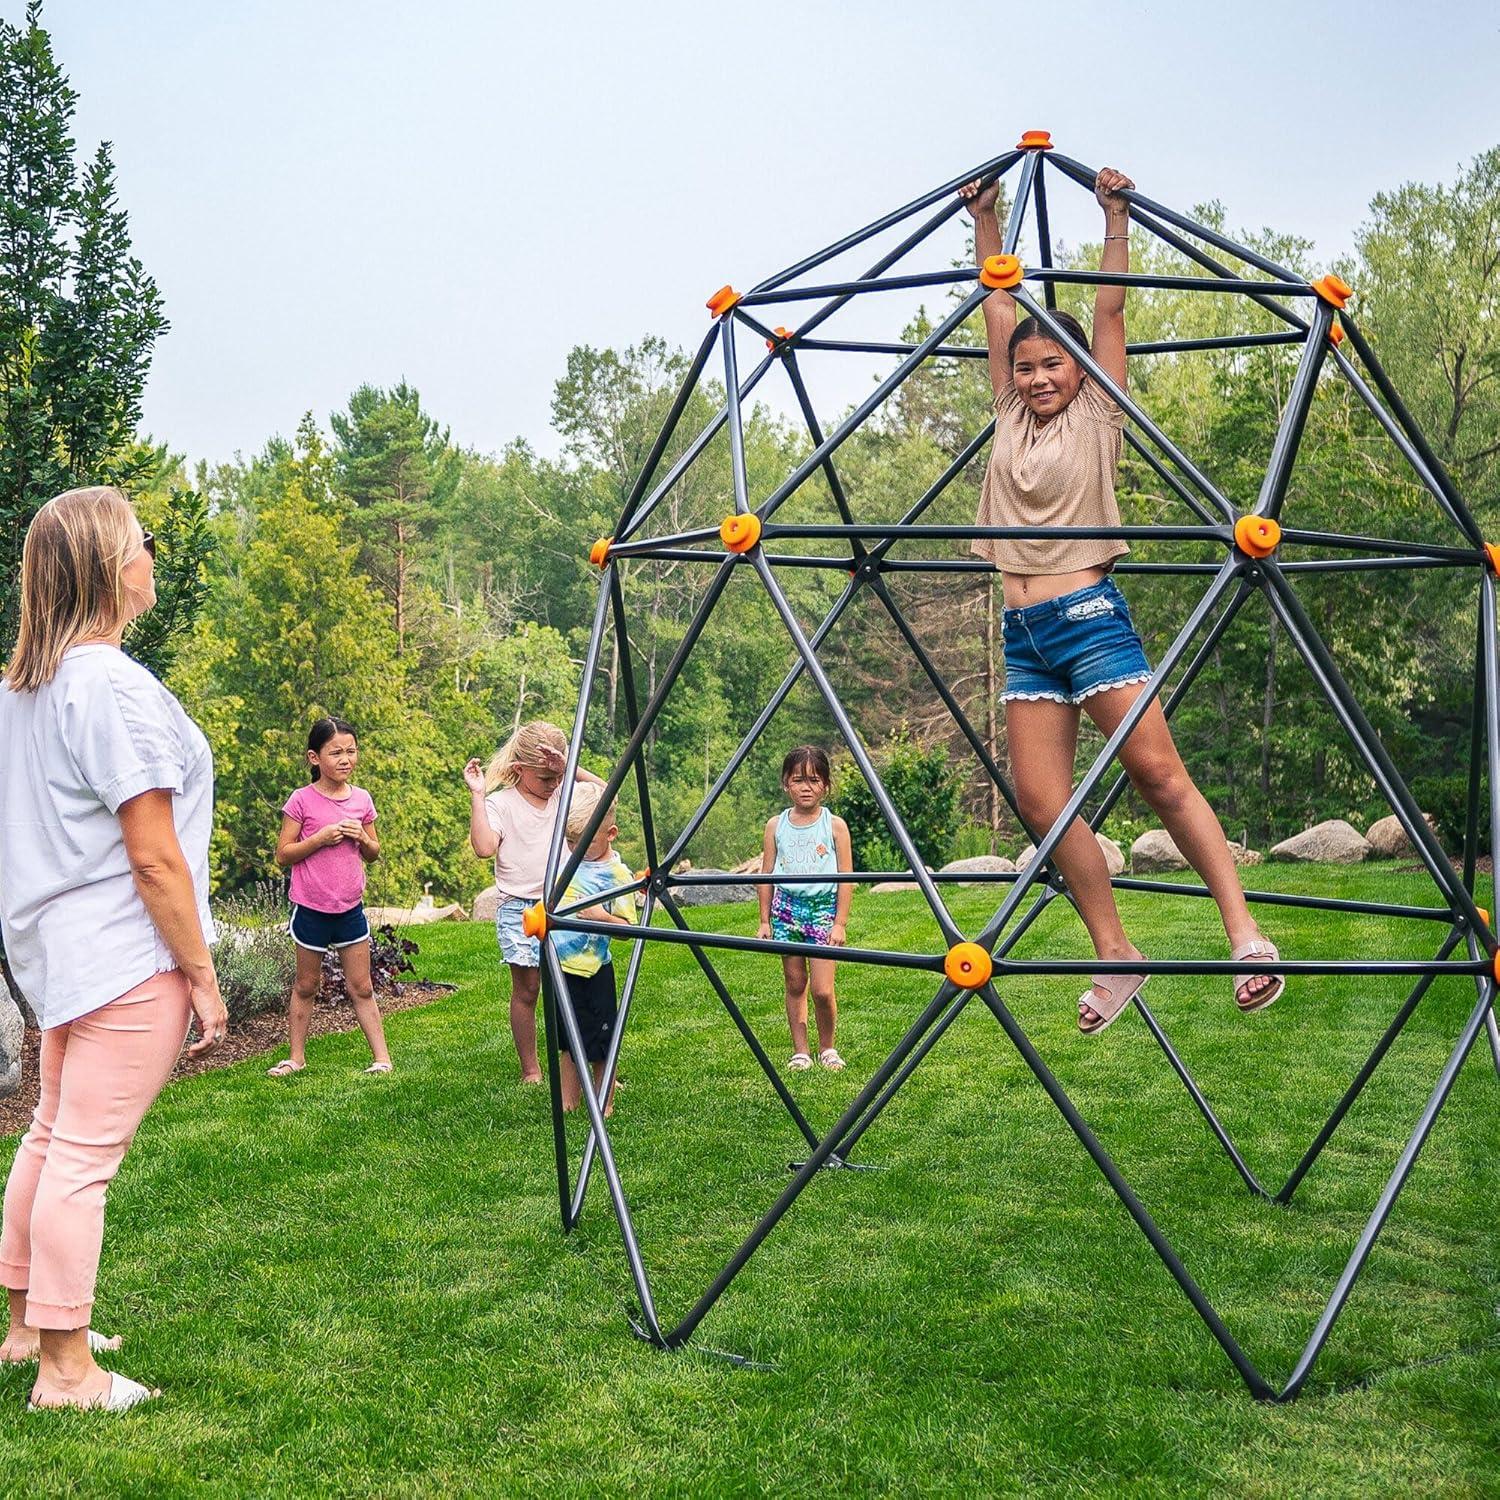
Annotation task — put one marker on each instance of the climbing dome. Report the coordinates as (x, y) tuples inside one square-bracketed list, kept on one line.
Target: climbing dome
[(790, 320)]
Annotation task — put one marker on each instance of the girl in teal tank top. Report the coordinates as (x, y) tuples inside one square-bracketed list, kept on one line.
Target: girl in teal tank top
[(807, 840)]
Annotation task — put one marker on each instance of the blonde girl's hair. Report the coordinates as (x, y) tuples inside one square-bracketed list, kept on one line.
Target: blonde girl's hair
[(585, 800), (523, 748), (70, 579)]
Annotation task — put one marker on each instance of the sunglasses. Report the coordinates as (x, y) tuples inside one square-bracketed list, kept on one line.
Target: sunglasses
[(148, 544)]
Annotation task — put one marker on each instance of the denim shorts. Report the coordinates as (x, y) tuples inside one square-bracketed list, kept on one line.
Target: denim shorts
[(515, 947), (322, 930), (1066, 648)]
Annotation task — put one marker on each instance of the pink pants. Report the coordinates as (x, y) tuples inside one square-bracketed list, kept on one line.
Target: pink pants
[(100, 1074)]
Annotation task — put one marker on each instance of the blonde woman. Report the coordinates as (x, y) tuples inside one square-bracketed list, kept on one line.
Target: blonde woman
[(106, 802), (513, 806)]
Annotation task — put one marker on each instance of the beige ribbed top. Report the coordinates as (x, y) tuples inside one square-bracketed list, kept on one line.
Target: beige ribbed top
[(1055, 473)]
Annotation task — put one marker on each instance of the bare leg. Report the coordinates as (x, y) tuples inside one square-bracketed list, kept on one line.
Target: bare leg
[(572, 1085), (794, 969), (825, 1005), (1156, 769), (356, 962), (1043, 737), (305, 986), (525, 985)]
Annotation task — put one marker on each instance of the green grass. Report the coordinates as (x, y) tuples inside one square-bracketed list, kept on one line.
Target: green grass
[(351, 1285)]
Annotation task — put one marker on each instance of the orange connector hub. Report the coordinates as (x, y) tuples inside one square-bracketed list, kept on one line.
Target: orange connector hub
[(599, 552), (968, 965), (1335, 335), (1035, 140), (1257, 536), (783, 337), (1333, 289), (1492, 551), (534, 921), (722, 300), (741, 532), (1001, 271), (1484, 912)]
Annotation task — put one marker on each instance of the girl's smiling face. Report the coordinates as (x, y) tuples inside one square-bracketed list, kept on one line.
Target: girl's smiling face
[(337, 759), (1045, 375)]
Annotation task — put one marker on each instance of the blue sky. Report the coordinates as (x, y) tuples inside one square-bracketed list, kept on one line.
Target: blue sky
[(457, 193)]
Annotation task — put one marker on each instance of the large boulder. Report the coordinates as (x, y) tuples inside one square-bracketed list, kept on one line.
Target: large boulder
[(1388, 838), (1332, 842), (1154, 853), (713, 895), (484, 906), (980, 864), (1114, 855), (1243, 856), (1025, 857), (890, 887), (12, 1030), (413, 916)]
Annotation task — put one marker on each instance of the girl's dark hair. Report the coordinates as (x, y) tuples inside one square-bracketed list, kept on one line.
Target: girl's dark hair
[(1030, 328), (319, 735), (807, 759)]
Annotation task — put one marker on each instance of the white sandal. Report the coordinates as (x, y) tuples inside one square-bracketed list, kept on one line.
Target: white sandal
[(800, 1063), (831, 1060), (122, 1395)]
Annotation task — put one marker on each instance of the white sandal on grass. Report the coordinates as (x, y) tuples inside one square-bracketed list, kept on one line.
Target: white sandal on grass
[(800, 1063), (378, 1068), (831, 1060), (123, 1393), (285, 1068)]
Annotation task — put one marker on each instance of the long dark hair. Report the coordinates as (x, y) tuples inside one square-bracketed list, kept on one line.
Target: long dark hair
[(809, 759), (1031, 328), (319, 735)]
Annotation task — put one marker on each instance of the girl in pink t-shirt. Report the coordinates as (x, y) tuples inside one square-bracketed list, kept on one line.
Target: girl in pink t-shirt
[(328, 837), (513, 806)]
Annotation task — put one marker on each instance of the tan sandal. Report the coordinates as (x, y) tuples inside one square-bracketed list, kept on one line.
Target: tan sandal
[(1119, 991), (1257, 947)]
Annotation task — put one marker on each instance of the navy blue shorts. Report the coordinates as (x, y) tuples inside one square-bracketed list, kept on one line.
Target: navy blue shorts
[(1067, 648), (595, 1009), (322, 930)]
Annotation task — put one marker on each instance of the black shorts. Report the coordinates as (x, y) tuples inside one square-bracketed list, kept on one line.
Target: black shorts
[(594, 1006), (322, 930)]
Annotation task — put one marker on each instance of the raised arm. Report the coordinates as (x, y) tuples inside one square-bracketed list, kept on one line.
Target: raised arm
[(999, 306), (1109, 301), (483, 839)]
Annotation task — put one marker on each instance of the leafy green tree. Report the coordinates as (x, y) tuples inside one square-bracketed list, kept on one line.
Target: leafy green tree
[(396, 467), (79, 318)]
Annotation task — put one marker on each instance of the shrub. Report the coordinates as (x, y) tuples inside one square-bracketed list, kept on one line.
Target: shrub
[(1447, 799), (253, 957), (923, 785)]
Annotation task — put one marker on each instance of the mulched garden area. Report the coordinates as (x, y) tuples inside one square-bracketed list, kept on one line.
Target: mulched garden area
[(254, 1035)]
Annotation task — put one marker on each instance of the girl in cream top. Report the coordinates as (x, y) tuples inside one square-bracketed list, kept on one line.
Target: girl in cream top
[(1069, 640)]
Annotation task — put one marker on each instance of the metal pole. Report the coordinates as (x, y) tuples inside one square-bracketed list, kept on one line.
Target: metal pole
[(612, 1057), (1044, 230), (997, 167), (738, 1017), (633, 718), (564, 1005), (1294, 419), (1133, 1205), (554, 1089), (815, 432), (1310, 646), (736, 427), (861, 756), (1366, 1072), (1389, 1194)]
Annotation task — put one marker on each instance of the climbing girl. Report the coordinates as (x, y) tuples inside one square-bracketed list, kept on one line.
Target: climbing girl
[(327, 838), (1069, 640), (513, 807), (807, 839)]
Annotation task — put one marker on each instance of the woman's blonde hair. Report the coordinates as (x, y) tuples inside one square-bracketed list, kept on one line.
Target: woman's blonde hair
[(70, 579), (523, 748)]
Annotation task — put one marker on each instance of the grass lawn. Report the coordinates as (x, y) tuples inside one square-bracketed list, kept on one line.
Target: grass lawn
[(354, 1285)]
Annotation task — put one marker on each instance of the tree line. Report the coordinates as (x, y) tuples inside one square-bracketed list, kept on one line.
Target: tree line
[(375, 567)]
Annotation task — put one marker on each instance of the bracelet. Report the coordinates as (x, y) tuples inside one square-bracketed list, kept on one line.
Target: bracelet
[(1117, 236)]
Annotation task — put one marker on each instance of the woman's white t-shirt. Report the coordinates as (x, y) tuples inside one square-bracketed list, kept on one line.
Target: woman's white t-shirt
[(104, 730)]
